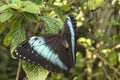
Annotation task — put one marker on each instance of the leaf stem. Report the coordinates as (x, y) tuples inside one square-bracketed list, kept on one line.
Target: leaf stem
[(18, 70)]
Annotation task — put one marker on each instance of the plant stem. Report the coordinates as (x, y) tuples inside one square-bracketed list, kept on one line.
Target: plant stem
[(18, 71)]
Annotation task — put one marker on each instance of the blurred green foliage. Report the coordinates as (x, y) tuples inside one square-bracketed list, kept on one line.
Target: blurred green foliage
[(98, 28)]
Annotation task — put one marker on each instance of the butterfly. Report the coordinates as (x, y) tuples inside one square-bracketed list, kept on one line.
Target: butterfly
[(54, 52)]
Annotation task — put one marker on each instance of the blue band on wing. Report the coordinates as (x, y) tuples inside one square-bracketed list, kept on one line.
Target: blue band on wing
[(69, 22), (38, 45)]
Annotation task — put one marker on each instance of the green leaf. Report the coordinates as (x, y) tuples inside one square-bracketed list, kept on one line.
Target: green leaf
[(4, 7), (2, 27), (31, 17), (93, 4), (57, 77), (58, 11), (32, 8), (113, 58), (7, 39), (15, 37), (27, 3), (1, 3), (16, 34), (6, 16), (53, 25), (119, 57), (38, 1), (17, 2), (66, 7), (34, 72), (85, 41), (14, 6), (111, 55)]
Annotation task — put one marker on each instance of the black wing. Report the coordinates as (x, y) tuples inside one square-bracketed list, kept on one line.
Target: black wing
[(48, 51)]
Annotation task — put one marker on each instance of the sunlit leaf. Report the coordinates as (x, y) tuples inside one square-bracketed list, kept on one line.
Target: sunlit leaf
[(2, 27), (119, 57), (14, 6), (58, 11), (16, 33), (32, 8), (6, 15), (38, 1), (93, 4), (85, 42), (26, 3), (66, 7), (113, 58), (4, 7), (53, 25), (17, 2), (34, 72)]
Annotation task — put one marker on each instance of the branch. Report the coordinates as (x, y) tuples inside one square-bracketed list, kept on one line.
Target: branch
[(109, 78), (36, 28), (104, 60)]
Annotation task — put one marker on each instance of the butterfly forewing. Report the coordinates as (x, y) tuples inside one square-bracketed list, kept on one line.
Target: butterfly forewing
[(70, 35)]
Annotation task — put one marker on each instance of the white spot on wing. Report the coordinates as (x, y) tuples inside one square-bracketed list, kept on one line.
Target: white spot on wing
[(23, 57), (27, 49), (20, 45), (16, 53), (15, 50), (20, 56), (28, 60)]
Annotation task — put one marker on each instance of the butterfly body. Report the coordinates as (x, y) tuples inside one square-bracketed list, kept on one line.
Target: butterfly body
[(55, 53)]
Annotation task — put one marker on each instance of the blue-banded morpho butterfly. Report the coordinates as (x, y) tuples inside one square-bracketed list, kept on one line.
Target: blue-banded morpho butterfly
[(54, 52)]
